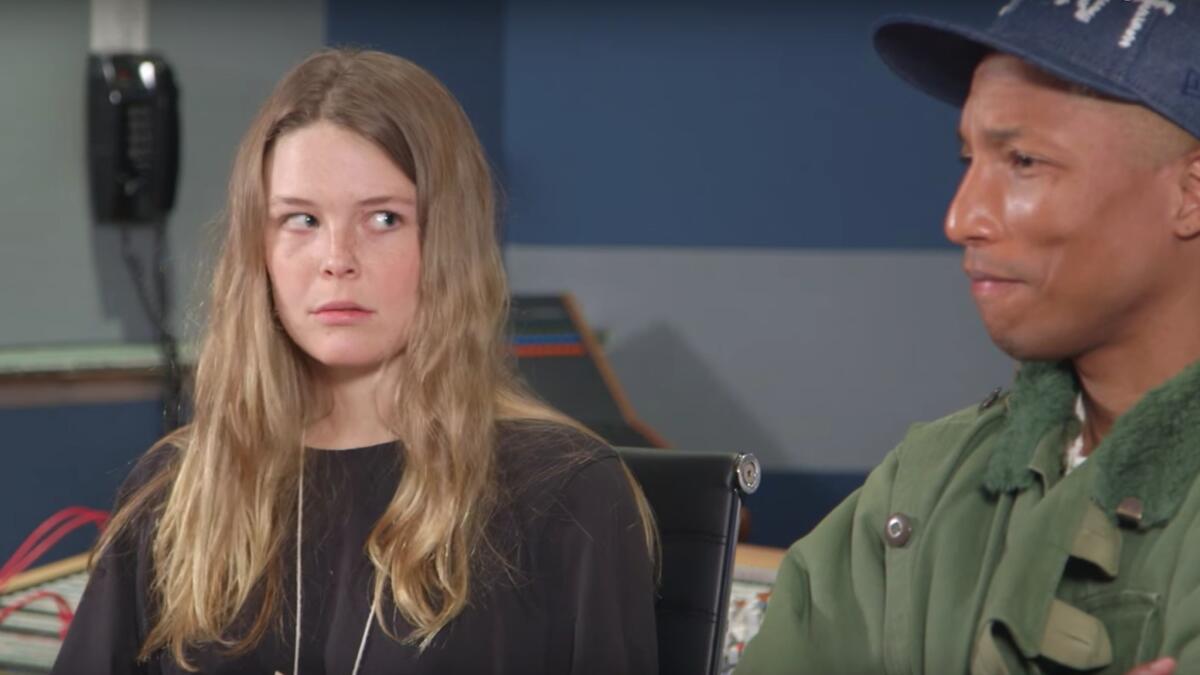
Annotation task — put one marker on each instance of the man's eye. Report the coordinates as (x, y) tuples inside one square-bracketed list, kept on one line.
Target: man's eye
[(385, 219), (300, 221), (965, 159), (1020, 160)]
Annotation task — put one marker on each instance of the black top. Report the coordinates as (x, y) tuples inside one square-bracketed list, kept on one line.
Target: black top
[(581, 599)]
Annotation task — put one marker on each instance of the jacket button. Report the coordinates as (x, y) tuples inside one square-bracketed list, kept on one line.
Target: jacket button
[(991, 399), (1129, 511), (897, 530)]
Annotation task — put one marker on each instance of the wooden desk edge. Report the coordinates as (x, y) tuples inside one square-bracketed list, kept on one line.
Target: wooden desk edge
[(41, 575), (746, 555), (761, 557)]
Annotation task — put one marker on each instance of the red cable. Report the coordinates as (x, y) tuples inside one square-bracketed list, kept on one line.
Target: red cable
[(65, 614), (46, 525), (17, 565), (66, 521), (46, 535), (41, 530), (31, 549)]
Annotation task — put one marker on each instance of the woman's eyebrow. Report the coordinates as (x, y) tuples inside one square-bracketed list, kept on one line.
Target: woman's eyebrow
[(385, 199), (292, 201), (287, 200)]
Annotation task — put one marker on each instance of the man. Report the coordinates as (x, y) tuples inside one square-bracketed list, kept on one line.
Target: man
[(1056, 528)]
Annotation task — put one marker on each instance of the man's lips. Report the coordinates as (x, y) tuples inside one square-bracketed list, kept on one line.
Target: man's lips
[(987, 283)]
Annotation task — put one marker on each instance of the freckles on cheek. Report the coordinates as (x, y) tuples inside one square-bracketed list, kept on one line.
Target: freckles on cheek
[(281, 278), (283, 253)]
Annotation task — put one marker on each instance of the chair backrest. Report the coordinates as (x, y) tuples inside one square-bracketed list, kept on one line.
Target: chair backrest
[(696, 498)]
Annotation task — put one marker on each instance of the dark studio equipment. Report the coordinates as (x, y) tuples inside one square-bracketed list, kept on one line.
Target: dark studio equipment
[(133, 138), (133, 169)]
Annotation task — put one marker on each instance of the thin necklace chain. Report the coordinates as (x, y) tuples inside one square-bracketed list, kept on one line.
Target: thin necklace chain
[(362, 645)]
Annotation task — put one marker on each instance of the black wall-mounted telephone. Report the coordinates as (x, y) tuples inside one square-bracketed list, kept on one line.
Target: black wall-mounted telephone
[(133, 167), (133, 138)]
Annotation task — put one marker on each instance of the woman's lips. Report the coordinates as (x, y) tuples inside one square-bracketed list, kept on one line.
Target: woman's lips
[(341, 313)]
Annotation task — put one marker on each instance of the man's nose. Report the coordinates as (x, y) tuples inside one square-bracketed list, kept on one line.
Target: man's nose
[(972, 218)]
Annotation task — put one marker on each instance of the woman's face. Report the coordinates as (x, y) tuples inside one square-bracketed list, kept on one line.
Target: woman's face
[(342, 245)]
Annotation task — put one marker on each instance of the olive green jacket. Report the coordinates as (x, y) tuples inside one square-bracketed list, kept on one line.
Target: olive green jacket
[(968, 551)]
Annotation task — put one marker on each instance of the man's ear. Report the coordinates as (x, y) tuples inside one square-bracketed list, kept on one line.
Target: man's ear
[(1188, 219)]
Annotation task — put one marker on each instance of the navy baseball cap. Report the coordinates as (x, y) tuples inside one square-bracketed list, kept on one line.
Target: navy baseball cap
[(1141, 51)]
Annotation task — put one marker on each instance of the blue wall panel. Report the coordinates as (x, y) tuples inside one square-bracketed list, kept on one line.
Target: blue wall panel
[(72, 455), (711, 124), (459, 42), (762, 124), (789, 504)]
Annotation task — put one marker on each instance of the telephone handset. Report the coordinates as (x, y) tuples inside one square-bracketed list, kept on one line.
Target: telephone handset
[(133, 138)]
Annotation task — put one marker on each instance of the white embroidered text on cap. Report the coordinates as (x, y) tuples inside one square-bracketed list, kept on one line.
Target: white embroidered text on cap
[(1086, 10)]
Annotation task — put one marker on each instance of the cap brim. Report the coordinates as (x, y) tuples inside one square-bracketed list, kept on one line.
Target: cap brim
[(939, 57)]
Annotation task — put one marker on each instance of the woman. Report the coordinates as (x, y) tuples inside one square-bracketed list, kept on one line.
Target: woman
[(365, 487)]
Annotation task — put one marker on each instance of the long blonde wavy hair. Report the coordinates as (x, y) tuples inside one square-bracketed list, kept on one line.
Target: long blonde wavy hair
[(224, 504)]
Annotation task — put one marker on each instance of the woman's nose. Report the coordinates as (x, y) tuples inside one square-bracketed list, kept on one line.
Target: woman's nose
[(340, 258)]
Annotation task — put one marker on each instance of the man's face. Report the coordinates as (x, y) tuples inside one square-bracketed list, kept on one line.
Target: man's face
[(1063, 214)]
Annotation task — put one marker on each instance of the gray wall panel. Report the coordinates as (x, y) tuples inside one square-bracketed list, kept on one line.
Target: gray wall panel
[(61, 276), (47, 271), (815, 360)]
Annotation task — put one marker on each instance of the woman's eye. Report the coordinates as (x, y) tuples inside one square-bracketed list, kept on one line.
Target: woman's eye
[(300, 221), (385, 219)]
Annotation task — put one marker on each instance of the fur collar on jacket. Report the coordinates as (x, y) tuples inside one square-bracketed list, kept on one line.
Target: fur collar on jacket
[(1152, 451)]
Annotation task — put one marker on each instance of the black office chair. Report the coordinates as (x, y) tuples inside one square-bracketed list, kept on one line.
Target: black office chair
[(696, 498)]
